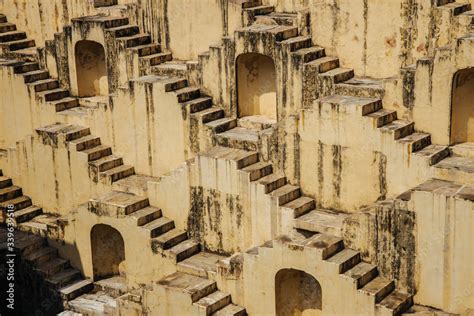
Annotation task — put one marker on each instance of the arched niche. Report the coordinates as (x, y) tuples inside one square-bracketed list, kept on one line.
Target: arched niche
[(462, 107), (91, 69), (108, 251)]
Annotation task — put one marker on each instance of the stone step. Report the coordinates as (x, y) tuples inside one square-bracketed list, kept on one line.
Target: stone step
[(173, 68), (169, 239), (187, 94), (85, 142), (202, 264), (361, 87), (456, 169), (12, 36), (240, 158), (338, 75), (147, 49), (63, 278), (25, 67), (322, 221), (435, 153), (5, 182), (362, 106), (29, 243), (27, 214), (111, 21), (174, 84), (464, 150), (256, 122), (157, 58), (456, 8), (104, 3), (379, 288), (249, 3), (96, 303), (43, 85), (209, 114), (399, 128), (125, 30), (42, 255), (136, 184), (75, 289), (286, 194), (146, 215), (53, 266), (7, 27), (323, 64), (231, 310), (222, 125), (260, 10), (345, 259), (19, 44), (362, 274), (97, 152), (184, 250), (159, 226), (213, 302), (114, 174), (198, 104), (239, 138), (272, 182), (301, 205), (135, 40), (327, 245), (297, 43), (119, 203), (396, 303), (10, 193), (53, 133), (3, 18), (382, 117), (279, 18), (18, 203), (104, 164), (258, 170), (306, 55), (54, 95), (35, 75), (416, 141), (196, 287)]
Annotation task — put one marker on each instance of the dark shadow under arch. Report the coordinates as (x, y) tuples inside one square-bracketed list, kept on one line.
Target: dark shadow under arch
[(91, 69), (108, 251), (462, 107)]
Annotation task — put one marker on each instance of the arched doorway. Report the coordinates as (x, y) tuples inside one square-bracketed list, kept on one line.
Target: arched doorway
[(108, 251), (297, 293), (91, 69), (256, 86), (462, 107)]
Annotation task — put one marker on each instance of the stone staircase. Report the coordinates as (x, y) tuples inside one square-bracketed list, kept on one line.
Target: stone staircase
[(45, 261), (15, 43)]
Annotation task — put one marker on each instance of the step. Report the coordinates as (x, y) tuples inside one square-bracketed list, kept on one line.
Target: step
[(104, 3), (169, 239), (399, 129), (12, 36), (63, 278), (146, 215), (282, 33), (114, 174), (222, 125), (213, 302), (457, 8), (97, 152), (240, 158), (43, 85), (29, 243), (35, 75), (260, 10), (327, 245), (286, 194), (184, 250), (10, 193), (53, 266), (75, 289), (464, 150), (86, 142), (434, 153), (157, 58), (125, 30), (239, 138), (362, 87), (345, 259), (105, 163), (338, 75), (198, 104), (53, 94), (300, 206), (7, 27), (65, 103), (175, 83), (135, 40), (136, 184), (159, 226), (322, 221), (288, 19), (147, 49), (309, 54), (118, 203), (18, 203), (382, 117), (195, 287), (42, 255), (272, 182), (231, 310), (5, 182), (201, 264), (25, 67), (209, 114), (396, 303), (323, 64), (362, 274), (379, 288), (113, 21), (187, 94), (19, 44), (457, 169), (416, 141), (348, 104), (27, 213), (3, 18), (297, 43), (258, 170)]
